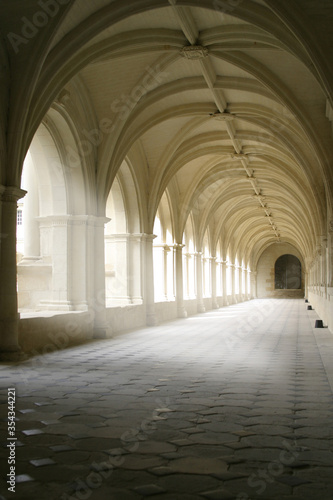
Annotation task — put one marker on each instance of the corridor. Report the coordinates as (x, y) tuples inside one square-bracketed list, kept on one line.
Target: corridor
[(235, 403)]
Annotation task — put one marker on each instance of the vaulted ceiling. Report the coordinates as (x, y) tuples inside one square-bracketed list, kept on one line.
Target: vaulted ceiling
[(229, 103)]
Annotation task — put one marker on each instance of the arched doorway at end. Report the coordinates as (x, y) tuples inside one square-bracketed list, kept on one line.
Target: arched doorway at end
[(288, 273)]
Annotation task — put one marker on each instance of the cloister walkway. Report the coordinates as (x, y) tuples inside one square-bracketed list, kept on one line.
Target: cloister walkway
[(235, 403)]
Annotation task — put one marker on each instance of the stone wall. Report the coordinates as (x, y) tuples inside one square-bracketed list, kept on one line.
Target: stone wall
[(321, 299), (126, 317)]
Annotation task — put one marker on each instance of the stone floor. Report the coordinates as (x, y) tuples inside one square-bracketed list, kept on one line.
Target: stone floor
[(232, 404)]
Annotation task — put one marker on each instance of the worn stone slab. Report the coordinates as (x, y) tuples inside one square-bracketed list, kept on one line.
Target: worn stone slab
[(193, 465)]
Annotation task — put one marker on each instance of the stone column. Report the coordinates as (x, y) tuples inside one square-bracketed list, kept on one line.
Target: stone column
[(233, 284), (9, 346), (213, 281), (200, 304), (240, 285), (330, 255), (186, 285), (149, 280), (135, 269), (306, 283), (78, 232), (325, 265), (247, 280), (224, 283), (178, 266), (101, 328), (254, 284), (168, 288)]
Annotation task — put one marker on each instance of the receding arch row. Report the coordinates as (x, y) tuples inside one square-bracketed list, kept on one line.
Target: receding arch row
[(108, 16)]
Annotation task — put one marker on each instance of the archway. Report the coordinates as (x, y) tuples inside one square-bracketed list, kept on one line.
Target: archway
[(288, 273)]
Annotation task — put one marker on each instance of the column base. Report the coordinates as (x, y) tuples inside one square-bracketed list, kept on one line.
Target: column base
[(26, 261), (9, 346), (215, 305)]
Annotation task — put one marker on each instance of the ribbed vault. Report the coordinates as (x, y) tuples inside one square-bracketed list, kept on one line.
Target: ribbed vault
[(219, 104)]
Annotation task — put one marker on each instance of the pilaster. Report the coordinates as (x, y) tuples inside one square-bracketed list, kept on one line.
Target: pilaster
[(213, 265), (200, 305), (9, 347), (224, 283), (149, 280), (178, 254)]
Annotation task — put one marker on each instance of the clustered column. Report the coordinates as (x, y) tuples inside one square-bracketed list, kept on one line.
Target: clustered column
[(233, 284), (178, 253), (213, 265), (200, 304), (149, 285)]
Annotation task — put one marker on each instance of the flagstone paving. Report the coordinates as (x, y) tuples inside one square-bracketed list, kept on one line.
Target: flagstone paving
[(235, 403)]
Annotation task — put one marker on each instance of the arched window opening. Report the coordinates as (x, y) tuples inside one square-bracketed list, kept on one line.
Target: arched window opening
[(189, 268), (288, 273), (243, 281), (116, 249), (237, 272), (159, 261), (163, 253), (219, 285), (123, 242), (41, 226), (229, 275), (206, 274)]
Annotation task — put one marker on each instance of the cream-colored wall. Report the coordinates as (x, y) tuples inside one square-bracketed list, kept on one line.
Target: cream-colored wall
[(125, 318), (47, 332), (265, 270), (321, 300), (34, 285)]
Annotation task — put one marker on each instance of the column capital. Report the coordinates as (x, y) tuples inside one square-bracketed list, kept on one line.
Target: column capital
[(11, 194), (178, 246), (149, 237)]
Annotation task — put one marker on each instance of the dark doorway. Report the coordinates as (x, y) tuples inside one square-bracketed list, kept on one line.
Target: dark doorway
[(288, 272)]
